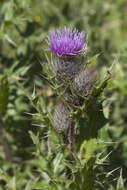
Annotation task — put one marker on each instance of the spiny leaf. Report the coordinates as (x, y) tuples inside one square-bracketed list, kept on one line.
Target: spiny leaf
[(92, 60)]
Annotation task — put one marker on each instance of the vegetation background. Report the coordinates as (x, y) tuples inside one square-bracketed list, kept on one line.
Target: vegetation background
[(24, 93)]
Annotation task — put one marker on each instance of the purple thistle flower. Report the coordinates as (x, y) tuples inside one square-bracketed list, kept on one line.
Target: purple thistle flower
[(66, 41)]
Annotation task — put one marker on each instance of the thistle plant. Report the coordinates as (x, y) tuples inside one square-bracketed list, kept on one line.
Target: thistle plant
[(78, 113), (77, 78), (68, 146), (66, 45)]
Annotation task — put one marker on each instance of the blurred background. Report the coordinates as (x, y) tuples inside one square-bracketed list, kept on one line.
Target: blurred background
[(23, 29)]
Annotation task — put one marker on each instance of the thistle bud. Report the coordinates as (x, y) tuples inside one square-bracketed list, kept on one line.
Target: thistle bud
[(84, 81), (61, 117)]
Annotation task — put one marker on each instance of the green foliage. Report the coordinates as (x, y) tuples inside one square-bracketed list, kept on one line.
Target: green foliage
[(38, 158), (3, 94)]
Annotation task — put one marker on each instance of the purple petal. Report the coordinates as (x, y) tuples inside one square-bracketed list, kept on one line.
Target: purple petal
[(66, 41)]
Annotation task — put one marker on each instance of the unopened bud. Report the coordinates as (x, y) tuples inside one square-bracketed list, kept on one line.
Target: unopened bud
[(84, 81), (61, 117)]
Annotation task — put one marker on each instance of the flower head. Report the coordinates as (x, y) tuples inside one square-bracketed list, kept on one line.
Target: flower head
[(66, 41)]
